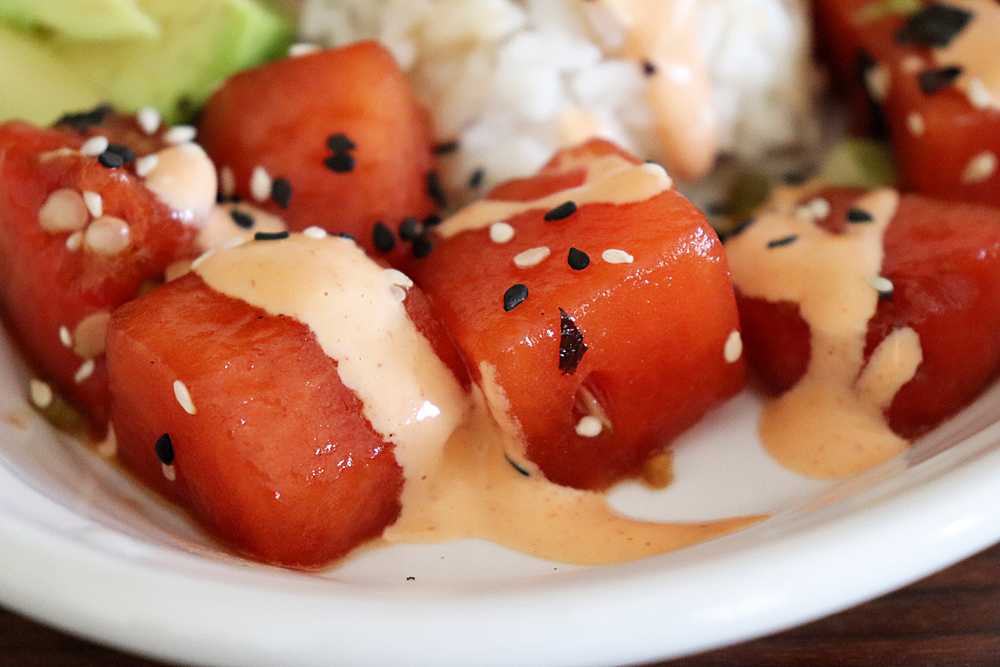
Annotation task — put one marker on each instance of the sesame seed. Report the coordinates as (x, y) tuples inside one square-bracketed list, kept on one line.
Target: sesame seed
[(589, 427), (815, 209), (435, 191), (183, 397), (859, 215), (561, 212), (980, 168), (270, 236), (877, 82), (94, 202), (616, 256), (65, 337), (422, 247), (476, 179), (149, 119), (85, 370), (164, 449), (657, 170), (94, 146), (397, 277), (63, 211), (531, 257), (934, 26), (915, 122), (89, 334), (501, 232), (260, 184), (110, 160), (84, 120), (577, 259), (74, 241), (520, 469), (733, 349), (180, 134), (302, 49), (242, 219), (786, 240), (447, 147), (169, 472), (341, 162), (737, 229), (41, 393), (124, 152), (145, 165), (398, 293), (409, 229), (107, 235), (314, 232), (432, 220), (514, 296), (978, 94), (281, 192), (883, 286), (340, 142), (933, 80), (383, 238)]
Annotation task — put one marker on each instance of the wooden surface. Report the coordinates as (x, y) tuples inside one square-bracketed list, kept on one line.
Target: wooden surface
[(951, 619)]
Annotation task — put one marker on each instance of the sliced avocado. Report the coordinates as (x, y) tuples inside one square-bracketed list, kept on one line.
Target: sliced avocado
[(862, 163), (36, 84), (201, 43), (81, 19)]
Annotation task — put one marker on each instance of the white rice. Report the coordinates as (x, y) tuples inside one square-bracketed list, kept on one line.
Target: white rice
[(510, 79)]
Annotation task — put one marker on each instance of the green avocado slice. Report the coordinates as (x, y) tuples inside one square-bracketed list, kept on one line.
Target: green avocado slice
[(81, 19)]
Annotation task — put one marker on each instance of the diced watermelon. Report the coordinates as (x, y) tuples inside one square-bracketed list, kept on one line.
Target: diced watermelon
[(619, 344)]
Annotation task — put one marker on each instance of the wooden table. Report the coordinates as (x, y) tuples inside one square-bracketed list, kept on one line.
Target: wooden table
[(951, 619)]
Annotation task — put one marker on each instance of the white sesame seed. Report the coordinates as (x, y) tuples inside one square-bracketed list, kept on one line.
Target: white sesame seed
[(816, 208), (85, 370), (149, 119), (980, 168), (65, 337), (107, 235), (398, 293), (501, 232), (183, 397), (397, 277), (531, 257), (589, 427), (89, 335), (881, 284), (616, 256), (260, 184), (94, 146), (314, 232), (657, 170), (145, 165), (169, 472), (733, 348), (877, 82), (227, 181), (978, 94), (41, 393), (180, 134), (916, 124), (74, 241), (302, 49), (94, 202), (63, 211)]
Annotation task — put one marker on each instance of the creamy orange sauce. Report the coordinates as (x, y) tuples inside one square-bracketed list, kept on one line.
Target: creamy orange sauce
[(661, 36), (830, 424), (976, 51), (183, 177), (459, 481), (609, 180)]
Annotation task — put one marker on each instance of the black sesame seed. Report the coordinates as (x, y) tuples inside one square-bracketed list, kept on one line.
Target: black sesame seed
[(777, 243), (431, 221), (561, 212), (243, 220), (341, 163), (164, 449), (477, 177), (270, 236), (885, 295), (409, 229), (435, 191), (934, 26), (127, 154), (339, 143), (446, 147), (858, 215), (933, 80), (571, 345), (281, 191), (738, 229), (514, 296), (110, 160), (86, 119), (345, 235), (422, 247), (517, 467), (383, 238), (648, 68), (578, 259)]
